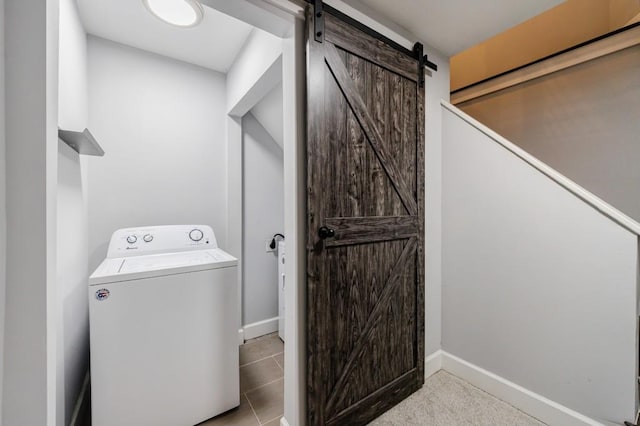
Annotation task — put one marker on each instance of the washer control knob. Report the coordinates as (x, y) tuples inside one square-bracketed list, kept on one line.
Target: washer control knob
[(196, 235), (131, 239), (148, 238)]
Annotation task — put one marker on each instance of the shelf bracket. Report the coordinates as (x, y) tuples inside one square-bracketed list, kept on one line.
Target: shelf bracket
[(81, 142)]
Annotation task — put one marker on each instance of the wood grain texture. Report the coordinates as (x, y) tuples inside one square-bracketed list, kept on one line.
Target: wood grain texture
[(370, 323), (365, 178), (365, 46), (317, 322), (379, 401), (420, 182), (359, 108), (357, 286), (360, 230)]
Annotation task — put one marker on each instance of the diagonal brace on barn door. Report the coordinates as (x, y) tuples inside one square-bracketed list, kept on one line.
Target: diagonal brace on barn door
[(359, 108), (390, 286)]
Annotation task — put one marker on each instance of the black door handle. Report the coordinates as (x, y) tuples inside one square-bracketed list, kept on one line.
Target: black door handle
[(325, 232)]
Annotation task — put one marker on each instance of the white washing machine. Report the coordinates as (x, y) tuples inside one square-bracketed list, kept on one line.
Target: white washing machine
[(163, 310)]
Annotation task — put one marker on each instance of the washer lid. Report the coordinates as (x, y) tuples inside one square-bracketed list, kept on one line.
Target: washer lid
[(138, 267)]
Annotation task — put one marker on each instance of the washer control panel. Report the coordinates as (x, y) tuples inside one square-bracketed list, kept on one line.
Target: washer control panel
[(161, 239), (196, 235)]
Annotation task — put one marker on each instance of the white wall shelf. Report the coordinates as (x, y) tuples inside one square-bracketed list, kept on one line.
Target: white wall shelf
[(82, 142)]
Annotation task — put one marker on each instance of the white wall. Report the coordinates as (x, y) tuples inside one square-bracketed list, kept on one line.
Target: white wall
[(273, 17), (255, 72), (72, 225), (31, 89), (436, 88), (268, 112), (73, 319), (538, 286), (3, 214), (259, 56), (295, 219), (162, 125), (583, 121), (263, 216)]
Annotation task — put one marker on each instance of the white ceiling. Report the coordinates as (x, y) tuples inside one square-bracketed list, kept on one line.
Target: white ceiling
[(213, 44), (452, 26)]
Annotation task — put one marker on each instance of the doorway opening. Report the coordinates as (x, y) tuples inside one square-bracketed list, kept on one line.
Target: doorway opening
[(195, 128)]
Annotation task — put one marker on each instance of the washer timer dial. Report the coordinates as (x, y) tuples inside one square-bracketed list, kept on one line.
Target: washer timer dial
[(196, 235), (131, 239)]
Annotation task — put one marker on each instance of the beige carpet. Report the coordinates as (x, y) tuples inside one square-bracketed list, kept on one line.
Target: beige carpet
[(446, 400)]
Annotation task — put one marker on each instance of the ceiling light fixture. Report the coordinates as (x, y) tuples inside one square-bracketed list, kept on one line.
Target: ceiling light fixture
[(181, 13)]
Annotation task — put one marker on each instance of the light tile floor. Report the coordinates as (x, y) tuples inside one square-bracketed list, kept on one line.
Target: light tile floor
[(261, 385)]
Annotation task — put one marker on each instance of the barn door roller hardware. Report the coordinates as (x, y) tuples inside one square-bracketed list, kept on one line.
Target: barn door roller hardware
[(423, 61), (319, 9), (428, 63), (418, 50), (318, 20)]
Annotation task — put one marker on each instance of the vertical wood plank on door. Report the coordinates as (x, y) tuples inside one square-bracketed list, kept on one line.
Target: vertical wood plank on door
[(358, 153), (420, 285), (317, 341), (336, 119), (373, 135)]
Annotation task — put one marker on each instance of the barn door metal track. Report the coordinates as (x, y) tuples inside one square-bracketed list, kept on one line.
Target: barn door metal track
[(319, 9)]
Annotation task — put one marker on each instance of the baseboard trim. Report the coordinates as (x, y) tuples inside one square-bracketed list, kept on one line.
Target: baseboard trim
[(433, 364), (260, 328), (81, 407), (283, 421), (535, 405)]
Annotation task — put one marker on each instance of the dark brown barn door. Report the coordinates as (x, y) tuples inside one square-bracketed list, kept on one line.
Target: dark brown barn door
[(365, 175)]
